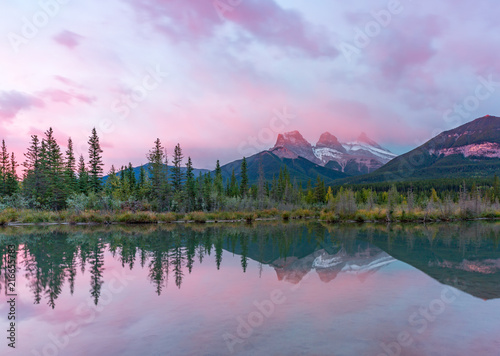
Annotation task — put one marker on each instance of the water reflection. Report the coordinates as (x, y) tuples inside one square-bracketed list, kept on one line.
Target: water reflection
[(466, 256)]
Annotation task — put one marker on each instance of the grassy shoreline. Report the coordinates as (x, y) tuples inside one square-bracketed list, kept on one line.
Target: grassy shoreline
[(14, 217)]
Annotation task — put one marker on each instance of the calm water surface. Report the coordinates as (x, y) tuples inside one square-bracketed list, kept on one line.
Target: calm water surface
[(262, 289)]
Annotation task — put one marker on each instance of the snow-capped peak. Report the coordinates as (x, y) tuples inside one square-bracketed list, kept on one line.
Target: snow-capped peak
[(364, 153), (363, 138)]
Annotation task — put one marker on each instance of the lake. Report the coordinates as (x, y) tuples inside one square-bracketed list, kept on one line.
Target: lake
[(268, 288)]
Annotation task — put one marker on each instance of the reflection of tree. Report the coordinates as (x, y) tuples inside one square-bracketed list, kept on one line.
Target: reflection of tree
[(96, 262), (158, 269), (190, 253), (218, 250), (244, 251), (128, 252), (50, 257), (177, 257), (47, 259)]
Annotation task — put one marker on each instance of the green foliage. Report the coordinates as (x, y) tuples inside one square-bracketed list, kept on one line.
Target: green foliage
[(95, 163), (244, 178), (177, 175)]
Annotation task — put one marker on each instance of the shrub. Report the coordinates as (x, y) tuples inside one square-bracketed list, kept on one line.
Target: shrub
[(167, 217), (196, 216), (9, 215), (249, 217), (329, 217)]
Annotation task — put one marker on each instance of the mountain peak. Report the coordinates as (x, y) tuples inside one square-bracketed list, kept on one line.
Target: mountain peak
[(293, 138), (363, 138), (328, 140)]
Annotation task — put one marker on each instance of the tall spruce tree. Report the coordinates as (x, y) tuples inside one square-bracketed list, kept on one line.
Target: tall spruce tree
[(218, 181), (95, 163), (176, 170), (132, 182), (52, 166), (70, 169), (261, 182), (12, 178), (32, 178), (157, 171), (112, 182), (232, 188), (4, 168), (190, 186), (244, 178), (83, 176)]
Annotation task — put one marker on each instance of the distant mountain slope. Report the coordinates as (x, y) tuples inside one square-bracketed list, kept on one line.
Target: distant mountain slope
[(470, 150), (299, 168), (358, 157), (137, 171)]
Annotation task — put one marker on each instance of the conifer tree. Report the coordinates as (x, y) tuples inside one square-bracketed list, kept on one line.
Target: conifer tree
[(190, 186), (319, 190), (95, 163), (157, 170), (32, 178), (261, 182), (132, 182), (12, 178), (83, 176), (218, 181), (207, 190), (232, 186), (52, 168), (112, 182), (177, 175), (244, 178), (4, 168), (70, 168)]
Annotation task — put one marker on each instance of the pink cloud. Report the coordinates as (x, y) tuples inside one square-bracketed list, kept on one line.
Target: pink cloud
[(66, 81), (265, 20), (68, 39), (61, 96), (403, 49), (12, 102)]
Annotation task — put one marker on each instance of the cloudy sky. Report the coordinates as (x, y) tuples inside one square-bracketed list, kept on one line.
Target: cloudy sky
[(224, 77)]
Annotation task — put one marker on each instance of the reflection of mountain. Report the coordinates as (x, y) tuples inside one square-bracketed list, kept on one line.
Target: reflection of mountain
[(328, 266), (466, 256), (459, 257)]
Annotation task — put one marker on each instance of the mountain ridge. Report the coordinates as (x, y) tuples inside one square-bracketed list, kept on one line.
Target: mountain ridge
[(469, 150), (357, 157)]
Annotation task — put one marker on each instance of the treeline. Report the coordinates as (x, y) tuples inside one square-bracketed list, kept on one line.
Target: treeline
[(50, 176), (56, 180)]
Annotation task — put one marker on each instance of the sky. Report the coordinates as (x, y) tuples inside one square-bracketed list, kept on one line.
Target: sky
[(224, 77)]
